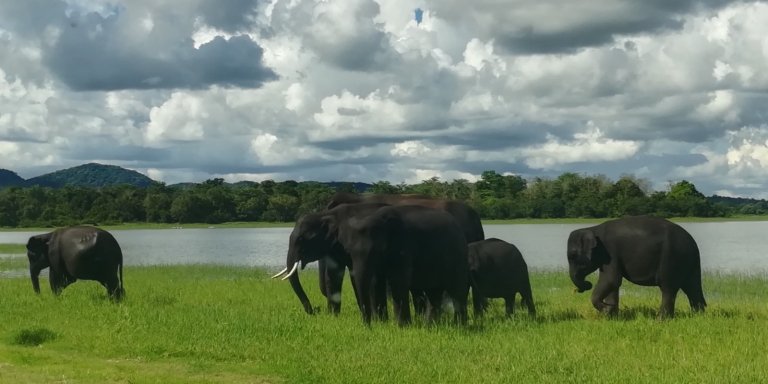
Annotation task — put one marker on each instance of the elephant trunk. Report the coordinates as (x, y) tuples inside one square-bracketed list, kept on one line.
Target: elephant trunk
[(34, 273), (579, 280), (299, 291), (291, 272)]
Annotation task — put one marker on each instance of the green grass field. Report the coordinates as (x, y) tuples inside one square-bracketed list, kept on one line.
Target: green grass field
[(13, 249), (213, 324)]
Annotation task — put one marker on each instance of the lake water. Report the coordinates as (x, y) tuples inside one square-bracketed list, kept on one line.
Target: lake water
[(725, 247)]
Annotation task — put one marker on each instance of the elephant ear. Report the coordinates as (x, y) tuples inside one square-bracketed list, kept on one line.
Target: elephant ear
[(38, 250), (588, 244), (329, 226), (38, 244)]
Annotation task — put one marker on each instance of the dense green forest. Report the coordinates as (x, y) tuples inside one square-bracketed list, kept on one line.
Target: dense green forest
[(495, 196)]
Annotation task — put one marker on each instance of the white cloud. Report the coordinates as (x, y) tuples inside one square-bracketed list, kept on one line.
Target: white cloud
[(418, 175), (362, 91), (180, 118), (351, 115), (589, 146), (749, 151)]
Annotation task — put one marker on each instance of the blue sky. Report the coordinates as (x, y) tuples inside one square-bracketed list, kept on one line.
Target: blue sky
[(394, 90)]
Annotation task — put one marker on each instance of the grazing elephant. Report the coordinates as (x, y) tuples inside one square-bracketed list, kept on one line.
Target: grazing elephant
[(645, 250), (497, 269), (332, 274), (309, 241), (407, 247), (80, 252)]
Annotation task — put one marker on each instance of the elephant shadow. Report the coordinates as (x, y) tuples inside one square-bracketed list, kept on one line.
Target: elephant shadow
[(557, 316), (645, 312)]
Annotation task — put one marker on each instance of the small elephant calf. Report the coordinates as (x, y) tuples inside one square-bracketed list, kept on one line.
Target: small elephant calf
[(80, 252), (497, 269)]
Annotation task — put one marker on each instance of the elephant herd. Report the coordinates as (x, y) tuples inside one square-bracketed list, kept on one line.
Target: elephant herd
[(430, 251)]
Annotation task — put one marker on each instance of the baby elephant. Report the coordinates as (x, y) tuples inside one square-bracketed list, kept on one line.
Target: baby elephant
[(497, 269), (81, 252)]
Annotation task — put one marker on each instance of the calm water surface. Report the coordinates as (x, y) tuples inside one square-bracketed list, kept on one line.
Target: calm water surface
[(725, 247)]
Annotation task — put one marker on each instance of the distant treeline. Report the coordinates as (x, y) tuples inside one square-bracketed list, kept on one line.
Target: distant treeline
[(495, 196)]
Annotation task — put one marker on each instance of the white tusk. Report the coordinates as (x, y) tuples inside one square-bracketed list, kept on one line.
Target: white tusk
[(280, 273), (293, 270)]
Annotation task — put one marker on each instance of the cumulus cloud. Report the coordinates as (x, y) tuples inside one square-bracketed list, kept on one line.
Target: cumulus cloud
[(140, 45), (362, 90), (590, 146)]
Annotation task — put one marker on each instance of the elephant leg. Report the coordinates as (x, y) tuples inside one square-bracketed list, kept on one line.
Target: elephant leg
[(668, 296), (479, 303), (612, 302), (322, 275), (509, 304), (435, 298), (114, 291), (606, 287), (459, 306), (58, 281), (380, 298), (354, 287), (364, 280), (400, 301), (419, 301), (334, 277)]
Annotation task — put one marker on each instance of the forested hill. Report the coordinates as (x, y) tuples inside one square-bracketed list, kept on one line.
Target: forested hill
[(91, 175), (10, 178)]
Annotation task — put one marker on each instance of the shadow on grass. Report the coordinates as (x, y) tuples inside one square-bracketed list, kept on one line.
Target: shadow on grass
[(33, 337), (558, 316)]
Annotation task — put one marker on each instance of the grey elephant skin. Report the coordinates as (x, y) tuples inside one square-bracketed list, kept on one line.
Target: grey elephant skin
[(80, 252), (331, 273), (313, 239), (498, 270), (408, 248), (648, 251)]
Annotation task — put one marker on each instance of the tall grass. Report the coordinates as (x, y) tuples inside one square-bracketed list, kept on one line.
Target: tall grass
[(183, 324)]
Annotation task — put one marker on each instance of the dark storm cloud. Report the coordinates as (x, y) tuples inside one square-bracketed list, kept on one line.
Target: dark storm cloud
[(753, 108), (528, 41), (86, 149), (29, 17), (351, 143), (532, 30), (500, 134), (230, 15), (21, 135), (140, 47), (91, 56)]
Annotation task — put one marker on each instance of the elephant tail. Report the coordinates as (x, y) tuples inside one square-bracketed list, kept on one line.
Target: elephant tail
[(526, 294), (694, 291), (120, 289)]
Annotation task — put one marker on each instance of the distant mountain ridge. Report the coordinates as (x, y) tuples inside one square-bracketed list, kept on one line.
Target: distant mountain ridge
[(87, 175), (10, 178), (97, 175)]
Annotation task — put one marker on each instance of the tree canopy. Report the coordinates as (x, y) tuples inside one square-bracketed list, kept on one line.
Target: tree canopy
[(494, 196)]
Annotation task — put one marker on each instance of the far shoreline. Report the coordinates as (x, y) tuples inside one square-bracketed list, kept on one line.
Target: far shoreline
[(261, 224)]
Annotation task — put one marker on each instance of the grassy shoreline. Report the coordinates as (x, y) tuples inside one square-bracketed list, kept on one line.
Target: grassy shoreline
[(215, 324), (131, 226)]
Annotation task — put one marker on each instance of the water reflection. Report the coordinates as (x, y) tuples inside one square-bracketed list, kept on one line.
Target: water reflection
[(725, 247)]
